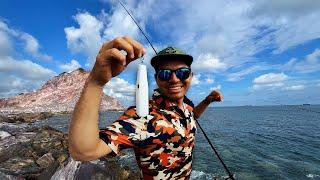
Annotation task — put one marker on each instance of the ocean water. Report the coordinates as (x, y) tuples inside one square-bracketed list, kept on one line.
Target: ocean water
[(267, 142), (264, 142)]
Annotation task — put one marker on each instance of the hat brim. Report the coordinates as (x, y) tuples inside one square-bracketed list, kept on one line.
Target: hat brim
[(155, 61)]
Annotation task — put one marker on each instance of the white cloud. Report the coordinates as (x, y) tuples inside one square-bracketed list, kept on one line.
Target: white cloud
[(218, 87), (207, 62), (32, 47), (313, 57), (236, 76), (25, 68), (87, 38), (292, 22), (270, 81), (21, 76), (294, 88), (93, 31), (270, 78), (196, 79), (10, 37), (5, 44), (120, 89), (68, 67), (310, 64), (118, 23)]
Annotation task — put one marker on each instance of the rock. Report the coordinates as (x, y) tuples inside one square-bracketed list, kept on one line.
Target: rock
[(26, 117), (13, 144), (3, 118), (7, 177), (4, 134), (48, 172), (62, 158), (20, 166), (41, 153), (50, 140), (102, 170), (45, 161), (13, 128), (32, 155)]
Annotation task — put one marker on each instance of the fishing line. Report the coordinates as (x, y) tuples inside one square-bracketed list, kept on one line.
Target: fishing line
[(214, 149), (137, 25), (216, 152)]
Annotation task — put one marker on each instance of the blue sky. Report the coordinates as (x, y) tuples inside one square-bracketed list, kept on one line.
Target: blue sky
[(264, 52)]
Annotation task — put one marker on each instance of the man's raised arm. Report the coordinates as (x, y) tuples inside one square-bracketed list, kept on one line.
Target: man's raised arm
[(84, 141), (202, 106)]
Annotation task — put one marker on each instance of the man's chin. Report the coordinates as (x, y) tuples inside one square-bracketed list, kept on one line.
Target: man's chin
[(175, 97)]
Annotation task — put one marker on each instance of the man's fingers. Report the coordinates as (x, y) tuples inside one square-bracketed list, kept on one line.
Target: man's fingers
[(138, 48), (133, 48), (122, 44), (116, 55), (112, 55)]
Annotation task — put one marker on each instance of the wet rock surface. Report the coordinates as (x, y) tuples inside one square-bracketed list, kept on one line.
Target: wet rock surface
[(25, 117), (28, 152)]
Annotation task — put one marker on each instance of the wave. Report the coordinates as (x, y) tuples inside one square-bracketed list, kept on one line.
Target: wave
[(196, 175), (313, 176)]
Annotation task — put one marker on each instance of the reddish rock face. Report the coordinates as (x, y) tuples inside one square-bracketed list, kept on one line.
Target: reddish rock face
[(57, 95)]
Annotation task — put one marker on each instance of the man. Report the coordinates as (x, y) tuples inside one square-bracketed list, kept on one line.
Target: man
[(163, 141)]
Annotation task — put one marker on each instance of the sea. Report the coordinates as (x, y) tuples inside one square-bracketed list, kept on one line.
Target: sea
[(255, 142)]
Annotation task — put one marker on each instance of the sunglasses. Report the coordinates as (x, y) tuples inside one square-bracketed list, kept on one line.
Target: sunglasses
[(181, 73)]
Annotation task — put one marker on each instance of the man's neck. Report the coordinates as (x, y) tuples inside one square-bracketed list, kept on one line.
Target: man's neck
[(179, 103)]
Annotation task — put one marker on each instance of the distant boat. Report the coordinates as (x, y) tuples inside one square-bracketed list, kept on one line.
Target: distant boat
[(306, 104)]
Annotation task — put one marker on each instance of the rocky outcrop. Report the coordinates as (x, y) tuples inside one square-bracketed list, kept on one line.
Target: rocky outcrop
[(58, 95), (28, 152)]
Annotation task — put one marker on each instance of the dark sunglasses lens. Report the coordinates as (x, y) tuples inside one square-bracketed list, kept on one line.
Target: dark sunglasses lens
[(164, 74), (183, 73)]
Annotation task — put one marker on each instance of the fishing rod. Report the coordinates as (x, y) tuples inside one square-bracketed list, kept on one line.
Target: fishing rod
[(213, 148), (137, 25), (216, 153)]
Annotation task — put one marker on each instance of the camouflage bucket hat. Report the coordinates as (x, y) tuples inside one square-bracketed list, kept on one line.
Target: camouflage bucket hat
[(171, 53)]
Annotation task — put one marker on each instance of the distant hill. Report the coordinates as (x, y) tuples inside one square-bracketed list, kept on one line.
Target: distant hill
[(58, 95)]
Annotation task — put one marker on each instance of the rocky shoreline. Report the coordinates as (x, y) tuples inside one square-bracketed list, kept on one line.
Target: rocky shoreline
[(30, 152)]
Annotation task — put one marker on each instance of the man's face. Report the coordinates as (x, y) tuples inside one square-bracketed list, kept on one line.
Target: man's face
[(174, 88)]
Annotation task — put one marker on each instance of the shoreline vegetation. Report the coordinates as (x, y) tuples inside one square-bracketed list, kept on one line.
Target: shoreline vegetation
[(31, 152)]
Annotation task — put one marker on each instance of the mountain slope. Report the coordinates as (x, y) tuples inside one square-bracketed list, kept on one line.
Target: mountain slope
[(57, 95)]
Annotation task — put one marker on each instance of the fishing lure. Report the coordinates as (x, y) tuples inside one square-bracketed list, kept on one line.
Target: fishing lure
[(142, 99)]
